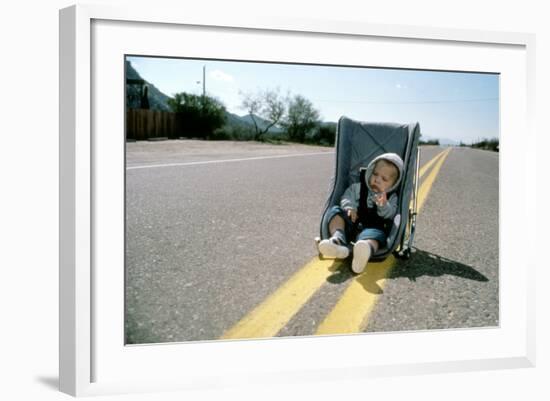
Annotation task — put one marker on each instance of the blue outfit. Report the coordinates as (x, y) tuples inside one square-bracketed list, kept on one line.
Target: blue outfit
[(373, 221), (355, 230)]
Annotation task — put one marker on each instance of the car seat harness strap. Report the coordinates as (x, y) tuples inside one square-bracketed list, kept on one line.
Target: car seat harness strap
[(368, 216)]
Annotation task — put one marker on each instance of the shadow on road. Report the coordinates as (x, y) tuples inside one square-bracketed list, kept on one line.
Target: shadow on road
[(341, 272), (424, 263), (421, 263)]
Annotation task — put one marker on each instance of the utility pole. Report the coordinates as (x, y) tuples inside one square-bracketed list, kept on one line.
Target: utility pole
[(203, 81)]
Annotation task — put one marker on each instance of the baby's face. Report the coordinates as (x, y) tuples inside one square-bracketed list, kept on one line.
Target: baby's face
[(383, 176)]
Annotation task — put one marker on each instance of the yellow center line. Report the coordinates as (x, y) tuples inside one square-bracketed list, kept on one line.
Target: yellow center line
[(276, 311), (351, 312), (430, 179), (427, 166), (269, 317)]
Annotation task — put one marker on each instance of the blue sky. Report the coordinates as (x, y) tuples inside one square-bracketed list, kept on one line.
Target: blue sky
[(452, 105)]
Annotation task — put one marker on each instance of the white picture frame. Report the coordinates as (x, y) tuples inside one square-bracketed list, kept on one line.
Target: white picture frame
[(94, 362)]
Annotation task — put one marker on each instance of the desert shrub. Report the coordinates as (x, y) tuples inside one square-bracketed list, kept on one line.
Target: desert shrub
[(487, 144)]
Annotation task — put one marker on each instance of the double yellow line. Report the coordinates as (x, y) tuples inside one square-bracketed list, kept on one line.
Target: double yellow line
[(351, 312)]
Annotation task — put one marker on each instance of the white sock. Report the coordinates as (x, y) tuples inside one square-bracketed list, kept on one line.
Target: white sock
[(339, 237)]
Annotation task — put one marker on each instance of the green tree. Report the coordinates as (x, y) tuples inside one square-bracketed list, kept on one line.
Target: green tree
[(487, 144), (197, 116), (325, 134), (269, 105), (301, 118)]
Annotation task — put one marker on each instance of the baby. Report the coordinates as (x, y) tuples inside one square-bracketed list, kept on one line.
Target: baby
[(365, 213)]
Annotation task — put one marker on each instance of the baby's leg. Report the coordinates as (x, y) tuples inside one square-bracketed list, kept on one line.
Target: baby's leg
[(336, 246), (335, 224), (374, 245)]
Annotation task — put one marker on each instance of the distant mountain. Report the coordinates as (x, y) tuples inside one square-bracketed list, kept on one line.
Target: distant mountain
[(448, 142), (233, 119), (442, 141), (157, 99)]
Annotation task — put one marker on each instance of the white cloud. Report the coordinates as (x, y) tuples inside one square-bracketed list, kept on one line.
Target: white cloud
[(221, 76), (400, 86)]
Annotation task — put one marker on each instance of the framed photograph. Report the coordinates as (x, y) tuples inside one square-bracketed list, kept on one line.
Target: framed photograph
[(195, 158)]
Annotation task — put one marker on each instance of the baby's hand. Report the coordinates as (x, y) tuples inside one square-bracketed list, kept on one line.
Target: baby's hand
[(380, 199), (352, 213)]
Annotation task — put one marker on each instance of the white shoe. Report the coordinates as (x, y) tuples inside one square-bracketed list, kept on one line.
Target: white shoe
[(361, 255), (331, 250)]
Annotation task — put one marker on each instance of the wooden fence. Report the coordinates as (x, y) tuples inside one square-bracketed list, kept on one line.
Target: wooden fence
[(144, 124)]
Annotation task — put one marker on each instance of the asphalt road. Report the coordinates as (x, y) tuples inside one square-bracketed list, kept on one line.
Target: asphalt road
[(213, 229), (452, 279)]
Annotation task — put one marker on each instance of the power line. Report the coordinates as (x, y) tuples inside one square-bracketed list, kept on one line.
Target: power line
[(407, 102)]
